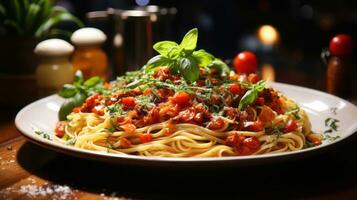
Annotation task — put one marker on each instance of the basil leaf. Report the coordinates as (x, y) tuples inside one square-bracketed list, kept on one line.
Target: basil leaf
[(203, 58), (65, 109), (248, 98), (174, 53), (220, 66), (67, 91), (189, 41), (189, 69), (69, 104), (155, 62), (164, 47), (92, 81), (78, 77)]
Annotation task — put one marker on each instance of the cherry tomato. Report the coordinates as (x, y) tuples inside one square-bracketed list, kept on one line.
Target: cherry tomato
[(128, 128), (255, 126), (145, 137), (341, 45), (181, 98), (245, 62), (290, 126), (128, 102), (252, 143), (234, 88), (59, 130), (253, 78)]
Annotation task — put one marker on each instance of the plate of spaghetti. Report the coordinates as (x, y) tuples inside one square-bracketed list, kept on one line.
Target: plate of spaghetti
[(186, 106)]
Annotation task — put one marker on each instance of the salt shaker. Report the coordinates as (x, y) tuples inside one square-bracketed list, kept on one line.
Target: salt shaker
[(54, 69), (89, 56)]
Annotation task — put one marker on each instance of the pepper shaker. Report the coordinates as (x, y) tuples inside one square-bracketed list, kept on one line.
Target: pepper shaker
[(339, 65)]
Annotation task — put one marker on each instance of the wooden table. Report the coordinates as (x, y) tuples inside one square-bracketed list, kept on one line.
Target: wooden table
[(28, 171)]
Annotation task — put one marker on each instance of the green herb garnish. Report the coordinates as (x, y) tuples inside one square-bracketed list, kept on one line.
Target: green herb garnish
[(251, 95), (44, 135), (182, 58), (77, 93)]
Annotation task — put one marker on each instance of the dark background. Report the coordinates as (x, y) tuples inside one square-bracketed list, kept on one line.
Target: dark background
[(227, 27)]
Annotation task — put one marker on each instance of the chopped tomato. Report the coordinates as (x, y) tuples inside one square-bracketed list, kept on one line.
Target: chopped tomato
[(260, 101), (187, 115), (200, 83), (252, 143), (76, 109), (99, 110), (234, 88), (266, 114), (128, 102), (124, 143), (254, 78), (147, 91), (216, 123), (255, 126), (128, 128), (244, 150), (145, 137), (181, 98), (92, 100), (290, 126), (59, 130)]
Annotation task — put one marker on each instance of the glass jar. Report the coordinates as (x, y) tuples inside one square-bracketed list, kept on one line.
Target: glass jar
[(89, 56), (54, 69)]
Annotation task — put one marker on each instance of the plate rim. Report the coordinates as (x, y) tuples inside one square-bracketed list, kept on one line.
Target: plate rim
[(118, 157)]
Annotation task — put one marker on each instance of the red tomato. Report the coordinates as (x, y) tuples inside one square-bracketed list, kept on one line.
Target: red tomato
[(128, 102), (255, 126), (252, 143), (216, 123), (290, 126), (181, 98), (253, 78), (245, 62), (59, 130), (128, 128), (93, 100), (244, 150), (234, 88), (341, 45), (145, 137)]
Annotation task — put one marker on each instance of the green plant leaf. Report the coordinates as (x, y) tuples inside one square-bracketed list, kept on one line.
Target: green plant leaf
[(69, 104), (220, 66), (164, 47), (203, 58), (189, 69), (56, 32), (2, 11), (93, 81), (67, 91), (155, 62), (248, 98), (189, 41), (31, 16), (78, 77), (54, 20), (14, 25), (16, 11)]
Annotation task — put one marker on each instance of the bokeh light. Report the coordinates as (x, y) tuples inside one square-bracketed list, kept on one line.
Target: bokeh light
[(142, 2), (268, 35)]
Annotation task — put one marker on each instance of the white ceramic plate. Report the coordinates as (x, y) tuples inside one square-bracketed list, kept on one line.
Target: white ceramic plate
[(42, 115)]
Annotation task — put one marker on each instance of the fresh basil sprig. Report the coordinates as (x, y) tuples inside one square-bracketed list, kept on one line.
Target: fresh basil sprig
[(77, 93), (181, 58), (251, 95)]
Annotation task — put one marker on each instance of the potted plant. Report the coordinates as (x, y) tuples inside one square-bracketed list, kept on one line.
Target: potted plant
[(23, 23)]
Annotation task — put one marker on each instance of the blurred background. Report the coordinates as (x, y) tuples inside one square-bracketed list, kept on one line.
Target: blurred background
[(287, 36)]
